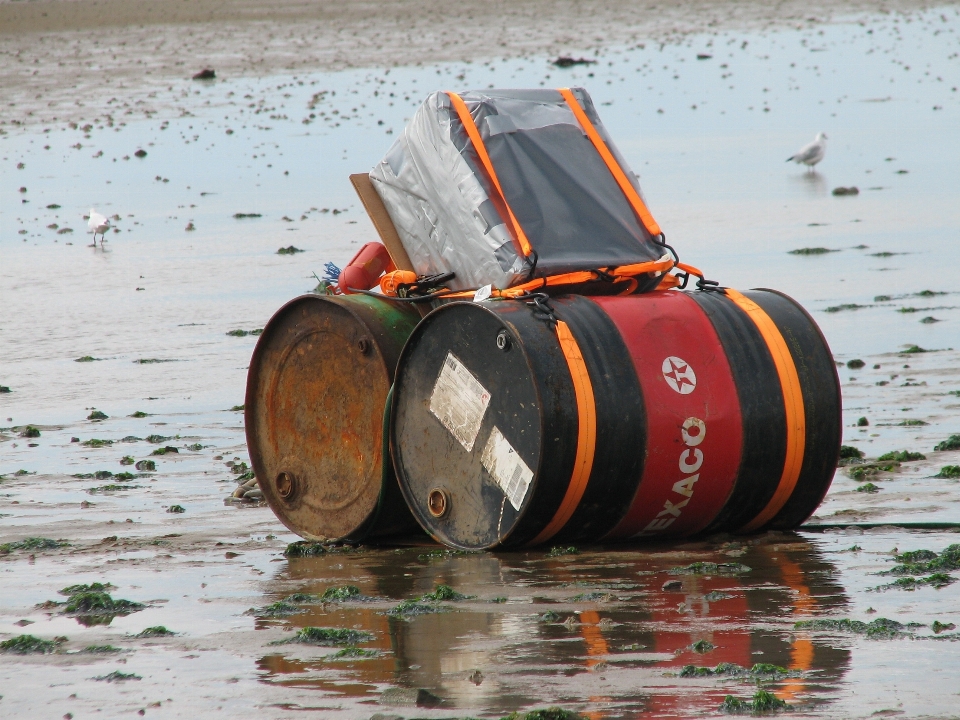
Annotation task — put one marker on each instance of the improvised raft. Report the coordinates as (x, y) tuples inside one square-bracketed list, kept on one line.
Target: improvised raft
[(533, 367)]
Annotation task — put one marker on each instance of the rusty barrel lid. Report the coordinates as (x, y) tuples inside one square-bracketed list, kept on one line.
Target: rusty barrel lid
[(317, 387)]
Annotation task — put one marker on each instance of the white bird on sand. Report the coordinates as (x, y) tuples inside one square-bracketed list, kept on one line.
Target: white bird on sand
[(811, 154), (99, 224)]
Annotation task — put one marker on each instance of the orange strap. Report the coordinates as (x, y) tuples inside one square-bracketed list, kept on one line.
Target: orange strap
[(624, 273), (689, 269), (586, 434), (793, 404), (633, 197), (474, 134)]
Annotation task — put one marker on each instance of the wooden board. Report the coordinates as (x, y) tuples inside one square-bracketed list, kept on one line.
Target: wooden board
[(381, 220)]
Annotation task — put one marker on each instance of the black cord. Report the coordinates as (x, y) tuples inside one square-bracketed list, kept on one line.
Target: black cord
[(393, 298)]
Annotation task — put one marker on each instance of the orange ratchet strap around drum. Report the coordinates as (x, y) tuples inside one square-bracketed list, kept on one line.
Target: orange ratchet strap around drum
[(793, 404), (633, 197), (474, 134), (586, 434)]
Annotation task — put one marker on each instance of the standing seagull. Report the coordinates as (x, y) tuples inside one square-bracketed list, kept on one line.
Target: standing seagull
[(811, 154), (99, 224)]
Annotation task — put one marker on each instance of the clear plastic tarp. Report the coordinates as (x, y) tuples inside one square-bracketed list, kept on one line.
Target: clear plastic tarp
[(450, 218)]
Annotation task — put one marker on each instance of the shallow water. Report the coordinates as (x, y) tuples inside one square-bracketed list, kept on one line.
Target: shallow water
[(715, 179)]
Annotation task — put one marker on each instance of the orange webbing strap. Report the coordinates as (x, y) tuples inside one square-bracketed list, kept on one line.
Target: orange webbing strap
[(586, 434), (793, 404), (623, 273), (689, 269), (474, 134), (633, 197)]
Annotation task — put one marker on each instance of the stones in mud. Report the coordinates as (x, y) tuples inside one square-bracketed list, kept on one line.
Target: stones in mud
[(206, 74), (565, 61), (841, 191), (146, 466), (249, 490), (812, 251), (176, 509), (672, 586), (141, 153)]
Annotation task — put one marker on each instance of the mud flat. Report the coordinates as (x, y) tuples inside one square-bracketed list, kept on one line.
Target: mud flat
[(65, 59)]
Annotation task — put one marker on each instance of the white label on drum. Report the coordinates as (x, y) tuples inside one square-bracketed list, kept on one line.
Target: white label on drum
[(504, 464), (459, 401)]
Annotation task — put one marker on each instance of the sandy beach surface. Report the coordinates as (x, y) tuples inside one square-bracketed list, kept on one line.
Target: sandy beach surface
[(63, 60), (155, 327)]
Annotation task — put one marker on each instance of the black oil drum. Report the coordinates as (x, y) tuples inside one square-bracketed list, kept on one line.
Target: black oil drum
[(317, 388), (614, 418)]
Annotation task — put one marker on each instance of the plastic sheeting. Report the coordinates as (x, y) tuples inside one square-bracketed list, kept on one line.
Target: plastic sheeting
[(450, 218)]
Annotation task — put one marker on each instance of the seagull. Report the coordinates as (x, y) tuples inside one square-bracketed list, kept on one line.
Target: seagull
[(99, 224), (811, 154)]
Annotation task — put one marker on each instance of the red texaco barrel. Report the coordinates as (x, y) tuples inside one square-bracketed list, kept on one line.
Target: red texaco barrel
[(615, 418)]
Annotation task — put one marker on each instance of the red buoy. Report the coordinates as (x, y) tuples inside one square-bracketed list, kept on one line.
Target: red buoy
[(364, 271)]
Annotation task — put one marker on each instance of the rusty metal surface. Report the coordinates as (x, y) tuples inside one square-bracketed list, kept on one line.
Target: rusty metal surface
[(316, 391)]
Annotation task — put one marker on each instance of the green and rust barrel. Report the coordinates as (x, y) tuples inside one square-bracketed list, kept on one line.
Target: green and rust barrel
[(615, 418), (317, 388)]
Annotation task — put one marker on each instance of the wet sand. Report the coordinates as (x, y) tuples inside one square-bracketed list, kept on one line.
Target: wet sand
[(153, 309), (64, 60)]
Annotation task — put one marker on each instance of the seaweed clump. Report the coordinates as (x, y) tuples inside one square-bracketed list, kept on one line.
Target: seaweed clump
[(87, 602), (443, 592), (30, 645), (155, 631), (759, 670), (282, 608), (881, 628), (341, 593), (709, 568), (936, 580), (553, 713), (949, 471), (117, 676), (304, 548), (902, 456), (32, 543), (427, 604), (951, 443), (848, 452), (920, 562), (762, 702), (329, 636)]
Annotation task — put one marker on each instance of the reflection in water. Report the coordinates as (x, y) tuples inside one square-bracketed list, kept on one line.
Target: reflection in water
[(813, 183), (613, 646)]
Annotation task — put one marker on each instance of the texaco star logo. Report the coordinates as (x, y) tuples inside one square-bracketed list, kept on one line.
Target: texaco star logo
[(679, 375)]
